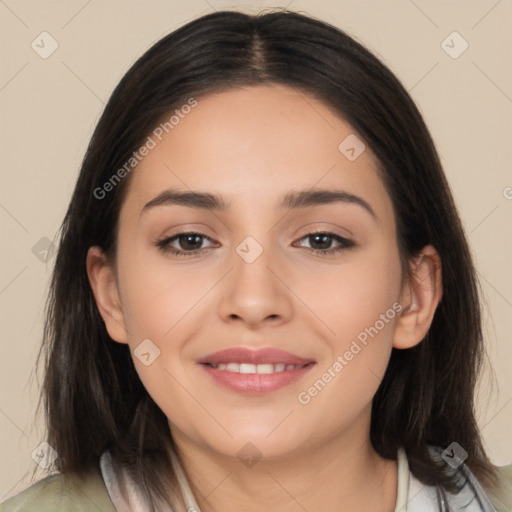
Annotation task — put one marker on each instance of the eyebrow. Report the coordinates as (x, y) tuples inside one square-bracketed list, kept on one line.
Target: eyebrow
[(291, 200)]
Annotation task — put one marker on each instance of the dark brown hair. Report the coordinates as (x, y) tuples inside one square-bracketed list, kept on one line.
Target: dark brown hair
[(94, 399)]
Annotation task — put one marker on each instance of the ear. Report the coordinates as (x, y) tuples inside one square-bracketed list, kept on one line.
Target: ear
[(104, 286), (419, 297)]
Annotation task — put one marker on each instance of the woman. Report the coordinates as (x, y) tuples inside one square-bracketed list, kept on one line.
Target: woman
[(263, 296)]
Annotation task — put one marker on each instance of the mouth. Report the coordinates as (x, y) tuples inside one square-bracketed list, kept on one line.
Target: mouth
[(255, 372)]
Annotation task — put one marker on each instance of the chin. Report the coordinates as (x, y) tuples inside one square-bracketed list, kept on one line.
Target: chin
[(250, 446)]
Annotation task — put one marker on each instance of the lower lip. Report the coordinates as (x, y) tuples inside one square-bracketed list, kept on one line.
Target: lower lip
[(256, 383)]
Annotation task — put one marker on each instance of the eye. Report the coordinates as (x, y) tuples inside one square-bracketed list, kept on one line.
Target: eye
[(321, 243), (189, 243)]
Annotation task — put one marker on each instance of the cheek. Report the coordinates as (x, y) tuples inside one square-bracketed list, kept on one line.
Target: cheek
[(352, 296), (156, 294), (358, 306), (160, 304)]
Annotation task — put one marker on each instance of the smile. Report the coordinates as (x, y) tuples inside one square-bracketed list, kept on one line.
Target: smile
[(256, 368)]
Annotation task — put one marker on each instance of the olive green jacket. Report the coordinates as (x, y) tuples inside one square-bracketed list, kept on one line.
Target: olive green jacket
[(64, 493)]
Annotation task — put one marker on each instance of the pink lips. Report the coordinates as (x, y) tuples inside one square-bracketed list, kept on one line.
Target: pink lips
[(255, 383)]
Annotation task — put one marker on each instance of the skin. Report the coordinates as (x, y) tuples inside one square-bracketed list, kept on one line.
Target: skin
[(251, 146)]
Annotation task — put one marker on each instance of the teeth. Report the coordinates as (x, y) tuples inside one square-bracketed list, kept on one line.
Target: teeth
[(256, 368)]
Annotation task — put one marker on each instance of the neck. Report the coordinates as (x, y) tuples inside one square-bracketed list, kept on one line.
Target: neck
[(356, 478)]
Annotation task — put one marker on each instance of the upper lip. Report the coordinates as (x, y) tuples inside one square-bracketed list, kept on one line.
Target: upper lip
[(260, 356)]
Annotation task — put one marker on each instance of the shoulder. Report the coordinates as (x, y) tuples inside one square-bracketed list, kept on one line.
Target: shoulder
[(63, 492), (501, 495)]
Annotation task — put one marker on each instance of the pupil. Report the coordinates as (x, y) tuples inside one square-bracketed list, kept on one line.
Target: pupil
[(185, 241), (325, 241)]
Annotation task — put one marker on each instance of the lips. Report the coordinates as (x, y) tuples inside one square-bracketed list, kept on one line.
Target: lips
[(255, 372), (242, 355)]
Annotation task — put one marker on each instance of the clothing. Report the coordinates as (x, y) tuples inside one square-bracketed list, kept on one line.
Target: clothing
[(63, 493), (99, 491)]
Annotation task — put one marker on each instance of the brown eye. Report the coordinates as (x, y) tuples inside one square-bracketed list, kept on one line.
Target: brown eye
[(321, 243), (190, 241), (184, 244)]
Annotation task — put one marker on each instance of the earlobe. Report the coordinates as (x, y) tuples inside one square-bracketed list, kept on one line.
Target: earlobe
[(420, 297), (104, 286)]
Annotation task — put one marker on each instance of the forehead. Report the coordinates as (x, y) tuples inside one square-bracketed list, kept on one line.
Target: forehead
[(255, 142)]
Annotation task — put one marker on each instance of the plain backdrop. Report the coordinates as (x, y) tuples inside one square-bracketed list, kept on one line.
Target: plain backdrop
[(49, 107)]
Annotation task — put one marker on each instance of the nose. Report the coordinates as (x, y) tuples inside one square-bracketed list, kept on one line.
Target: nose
[(256, 293)]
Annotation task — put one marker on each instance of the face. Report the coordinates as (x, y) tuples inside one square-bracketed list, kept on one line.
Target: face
[(319, 279)]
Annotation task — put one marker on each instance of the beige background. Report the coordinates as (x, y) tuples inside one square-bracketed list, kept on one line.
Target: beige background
[(50, 106)]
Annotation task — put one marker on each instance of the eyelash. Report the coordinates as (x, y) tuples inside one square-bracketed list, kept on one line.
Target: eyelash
[(164, 246)]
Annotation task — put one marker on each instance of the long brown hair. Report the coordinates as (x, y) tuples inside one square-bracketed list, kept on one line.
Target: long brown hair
[(94, 399)]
